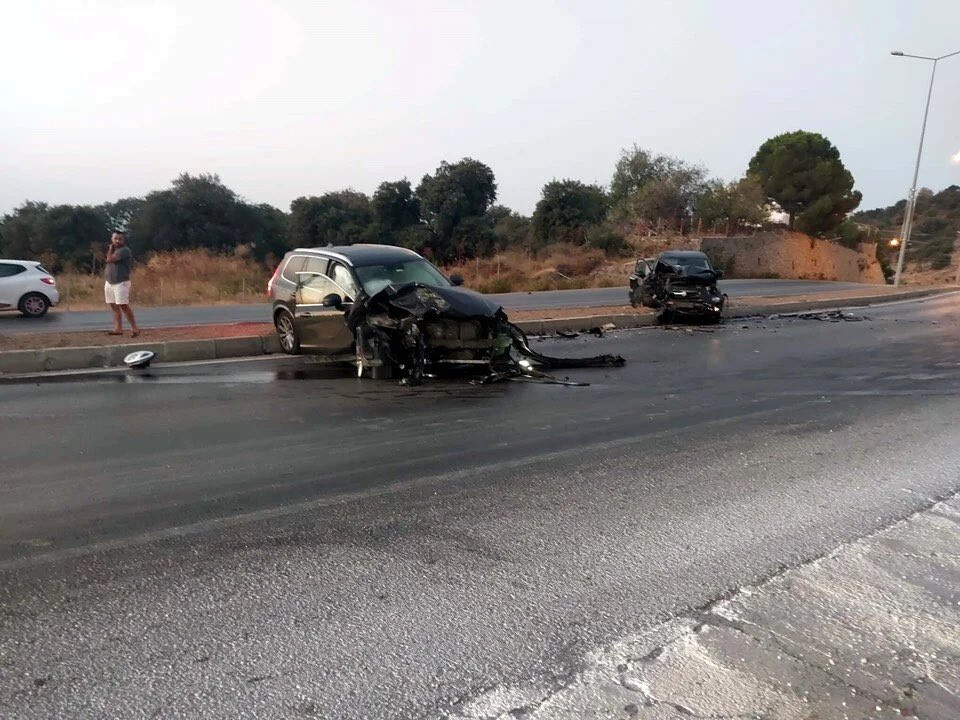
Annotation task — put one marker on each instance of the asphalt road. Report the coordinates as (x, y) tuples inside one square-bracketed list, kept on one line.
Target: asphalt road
[(58, 320), (268, 539)]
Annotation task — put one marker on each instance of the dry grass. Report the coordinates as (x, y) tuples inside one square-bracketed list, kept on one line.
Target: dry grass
[(556, 267), (201, 277), (186, 277), (923, 275)]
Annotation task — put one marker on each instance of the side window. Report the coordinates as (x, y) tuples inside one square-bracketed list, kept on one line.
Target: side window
[(292, 267), (315, 288), (10, 269), (315, 265), (342, 276)]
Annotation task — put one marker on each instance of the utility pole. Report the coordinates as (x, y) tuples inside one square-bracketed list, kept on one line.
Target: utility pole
[(957, 281), (912, 196)]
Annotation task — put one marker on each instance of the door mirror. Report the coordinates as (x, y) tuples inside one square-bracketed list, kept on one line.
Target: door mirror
[(457, 280), (719, 273), (333, 301)]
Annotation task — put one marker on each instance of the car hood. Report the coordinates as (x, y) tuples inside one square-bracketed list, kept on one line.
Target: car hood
[(423, 301), (680, 275)]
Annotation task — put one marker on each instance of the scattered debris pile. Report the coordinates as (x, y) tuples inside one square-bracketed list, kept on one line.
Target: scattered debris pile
[(830, 316)]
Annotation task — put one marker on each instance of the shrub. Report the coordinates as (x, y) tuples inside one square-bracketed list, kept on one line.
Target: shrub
[(606, 239)]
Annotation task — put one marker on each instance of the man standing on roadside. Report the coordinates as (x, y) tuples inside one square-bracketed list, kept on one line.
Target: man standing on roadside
[(116, 289)]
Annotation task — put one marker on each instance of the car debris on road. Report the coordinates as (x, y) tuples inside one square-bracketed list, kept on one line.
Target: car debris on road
[(831, 316)]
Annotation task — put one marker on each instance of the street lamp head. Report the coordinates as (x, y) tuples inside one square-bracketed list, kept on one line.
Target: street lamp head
[(898, 53)]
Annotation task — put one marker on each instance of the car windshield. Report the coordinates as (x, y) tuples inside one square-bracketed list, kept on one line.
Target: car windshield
[(375, 278), (687, 261)]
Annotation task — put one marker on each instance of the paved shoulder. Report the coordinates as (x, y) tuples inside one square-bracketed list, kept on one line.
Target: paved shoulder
[(870, 631)]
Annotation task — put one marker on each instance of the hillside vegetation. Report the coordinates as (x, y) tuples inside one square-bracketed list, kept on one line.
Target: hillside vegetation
[(935, 227), (452, 215)]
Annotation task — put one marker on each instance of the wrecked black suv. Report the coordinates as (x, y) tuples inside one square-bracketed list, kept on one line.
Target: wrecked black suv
[(390, 311), (678, 283)]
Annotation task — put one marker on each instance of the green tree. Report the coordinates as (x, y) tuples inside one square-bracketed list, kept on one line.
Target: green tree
[(607, 238), (732, 203), (119, 214), (394, 206), (473, 237), (510, 229), (802, 172), (198, 211), (647, 186), (566, 209), (20, 230), (60, 236), (270, 240), (415, 237), (335, 218), (455, 192)]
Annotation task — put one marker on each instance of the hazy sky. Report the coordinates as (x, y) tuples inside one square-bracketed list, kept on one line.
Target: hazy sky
[(105, 99)]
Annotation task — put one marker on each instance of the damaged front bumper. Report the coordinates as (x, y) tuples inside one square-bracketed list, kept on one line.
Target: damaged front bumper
[(413, 330), (694, 303)]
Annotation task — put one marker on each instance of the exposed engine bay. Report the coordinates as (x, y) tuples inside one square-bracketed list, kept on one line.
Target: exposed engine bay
[(414, 330), (678, 284)]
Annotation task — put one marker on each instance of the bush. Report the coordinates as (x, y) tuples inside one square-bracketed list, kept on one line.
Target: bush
[(607, 239), (850, 234), (502, 284)]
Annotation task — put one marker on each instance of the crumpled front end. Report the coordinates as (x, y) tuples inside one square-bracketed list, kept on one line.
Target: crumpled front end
[(693, 299), (685, 291), (415, 330)]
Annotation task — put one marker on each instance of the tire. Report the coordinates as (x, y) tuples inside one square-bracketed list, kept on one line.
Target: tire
[(287, 332), (384, 371), (33, 305)]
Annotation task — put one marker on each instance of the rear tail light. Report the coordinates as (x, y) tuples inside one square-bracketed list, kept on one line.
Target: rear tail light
[(48, 280), (272, 279)]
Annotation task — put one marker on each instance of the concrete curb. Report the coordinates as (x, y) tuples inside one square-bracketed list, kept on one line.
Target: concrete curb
[(804, 305), (81, 358)]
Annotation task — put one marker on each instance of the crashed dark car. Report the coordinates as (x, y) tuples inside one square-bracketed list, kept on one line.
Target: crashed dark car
[(391, 313), (679, 283)]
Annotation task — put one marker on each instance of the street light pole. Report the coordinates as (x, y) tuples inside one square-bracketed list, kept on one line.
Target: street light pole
[(912, 196), (957, 282)]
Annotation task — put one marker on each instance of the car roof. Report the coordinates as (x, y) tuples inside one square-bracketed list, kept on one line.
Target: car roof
[(365, 254), (682, 253), (31, 263)]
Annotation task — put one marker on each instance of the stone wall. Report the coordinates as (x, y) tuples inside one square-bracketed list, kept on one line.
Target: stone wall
[(793, 255)]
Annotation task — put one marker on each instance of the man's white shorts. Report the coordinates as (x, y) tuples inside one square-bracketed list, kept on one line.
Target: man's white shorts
[(117, 293)]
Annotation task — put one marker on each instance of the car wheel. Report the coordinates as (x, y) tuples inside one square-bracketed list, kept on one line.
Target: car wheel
[(287, 333), (34, 305), (381, 371)]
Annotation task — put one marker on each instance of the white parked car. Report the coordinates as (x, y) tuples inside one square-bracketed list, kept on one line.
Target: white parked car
[(26, 286)]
